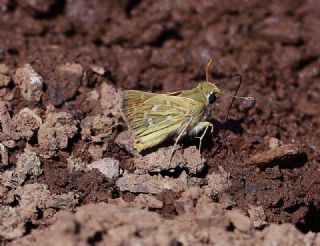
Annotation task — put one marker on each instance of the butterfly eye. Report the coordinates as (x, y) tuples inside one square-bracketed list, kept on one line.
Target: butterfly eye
[(212, 97)]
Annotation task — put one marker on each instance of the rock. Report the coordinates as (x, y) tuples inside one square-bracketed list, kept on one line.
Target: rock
[(62, 201), (226, 201), (107, 166), (4, 80), (72, 68), (146, 183), (31, 199), (216, 184), (257, 216), (10, 144), (75, 164), (147, 201), (207, 214), (11, 223), (65, 83), (184, 204), (125, 140), (97, 151), (98, 70), (28, 166), (29, 82), (5, 119), (240, 221), (4, 69), (274, 143), (159, 160), (4, 161), (284, 156), (3, 194), (193, 193), (22, 126), (96, 128), (285, 234), (110, 100), (25, 123), (118, 224), (55, 133)]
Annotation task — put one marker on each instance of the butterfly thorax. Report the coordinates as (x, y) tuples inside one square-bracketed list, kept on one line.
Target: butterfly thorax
[(204, 94), (195, 94)]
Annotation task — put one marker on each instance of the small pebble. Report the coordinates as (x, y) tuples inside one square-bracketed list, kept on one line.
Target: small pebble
[(274, 143)]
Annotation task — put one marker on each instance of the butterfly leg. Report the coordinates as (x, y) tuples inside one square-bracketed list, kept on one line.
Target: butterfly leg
[(199, 127), (175, 144)]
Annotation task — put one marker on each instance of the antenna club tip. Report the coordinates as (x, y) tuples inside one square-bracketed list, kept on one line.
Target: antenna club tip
[(251, 99)]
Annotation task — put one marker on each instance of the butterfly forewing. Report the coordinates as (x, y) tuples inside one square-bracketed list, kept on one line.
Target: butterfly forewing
[(132, 99), (158, 117)]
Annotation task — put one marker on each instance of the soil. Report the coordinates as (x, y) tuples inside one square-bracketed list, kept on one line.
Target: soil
[(63, 65)]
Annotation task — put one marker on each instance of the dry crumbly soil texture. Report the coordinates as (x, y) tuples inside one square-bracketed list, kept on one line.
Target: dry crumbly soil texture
[(68, 172)]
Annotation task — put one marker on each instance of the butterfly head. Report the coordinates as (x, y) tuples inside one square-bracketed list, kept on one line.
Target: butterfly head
[(210, 90)]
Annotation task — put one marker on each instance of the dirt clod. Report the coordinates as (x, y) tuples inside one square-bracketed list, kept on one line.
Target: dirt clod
[(143, 227), (4, 80), (240, 221), (125, 140), (282, 235), (146, 183), (107, 166), (147, 201), (96, 128), (31, 199), (4, 155), (274, 143), (65, 83), (24, 124), (28, 166), (257, 216), (4, 69), (55, 133), (285, 155), (29, 82), (157, 161)]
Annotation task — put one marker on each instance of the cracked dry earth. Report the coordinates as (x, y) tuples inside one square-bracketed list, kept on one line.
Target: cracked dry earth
[(68, 172)]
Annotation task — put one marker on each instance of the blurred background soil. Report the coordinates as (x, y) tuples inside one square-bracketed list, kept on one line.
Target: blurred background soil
[(62, 65)]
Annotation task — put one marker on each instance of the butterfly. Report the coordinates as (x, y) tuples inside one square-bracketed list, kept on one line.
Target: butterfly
[(152, 117)]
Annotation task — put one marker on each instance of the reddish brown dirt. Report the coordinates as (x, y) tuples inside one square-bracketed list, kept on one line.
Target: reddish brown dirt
[(163, 46)]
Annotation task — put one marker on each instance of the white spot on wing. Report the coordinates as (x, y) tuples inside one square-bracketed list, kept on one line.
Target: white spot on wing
[(168, 103), (150, 122), (155, 107)]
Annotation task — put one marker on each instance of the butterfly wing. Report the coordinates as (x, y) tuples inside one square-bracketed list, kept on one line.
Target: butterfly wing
[(158, 118), (132, 99)]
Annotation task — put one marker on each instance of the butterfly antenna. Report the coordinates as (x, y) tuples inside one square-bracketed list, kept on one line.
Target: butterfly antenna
[(235, 94), (207, 69)]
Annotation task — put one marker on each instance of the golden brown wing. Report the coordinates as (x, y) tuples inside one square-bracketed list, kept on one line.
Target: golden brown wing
[(157, 118)]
